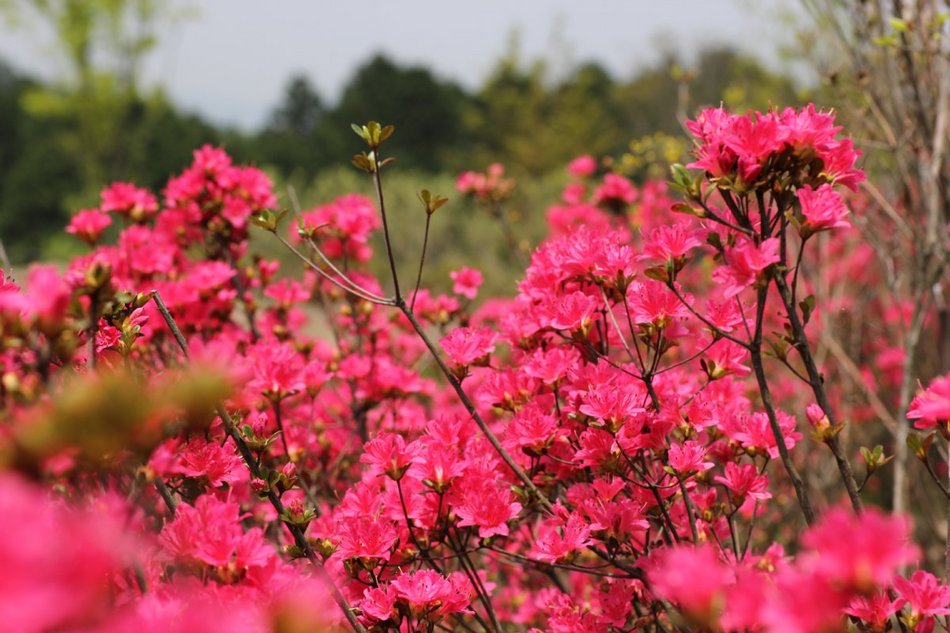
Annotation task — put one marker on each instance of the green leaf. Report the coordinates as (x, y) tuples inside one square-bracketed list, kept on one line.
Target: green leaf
[(899, 25), (268, 220), (918, 445), (682, 207), (807, 306)]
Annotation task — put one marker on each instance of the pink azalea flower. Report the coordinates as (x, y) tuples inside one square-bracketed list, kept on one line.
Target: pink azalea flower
[(669, 243), (582, 166), (388, 454), (125, 199), (427, 593), (367, 539), (88, 225), (467, 346), (467, 281), (688, 457), (862, 552), (560, 542), (744, 481), (615, 191), (923, 593), (823, 210), (876, 609), (692, 578), (932, 406), (572, 312), (487, 506), (744, 263)]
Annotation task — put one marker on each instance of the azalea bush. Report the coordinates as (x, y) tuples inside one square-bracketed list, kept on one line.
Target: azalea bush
[(196, 438)]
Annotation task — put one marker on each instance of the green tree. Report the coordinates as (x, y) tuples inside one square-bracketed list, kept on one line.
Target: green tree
[(290, 141), (426, 110)]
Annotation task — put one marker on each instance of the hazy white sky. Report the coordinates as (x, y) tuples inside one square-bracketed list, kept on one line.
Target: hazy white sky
[(231, 62)]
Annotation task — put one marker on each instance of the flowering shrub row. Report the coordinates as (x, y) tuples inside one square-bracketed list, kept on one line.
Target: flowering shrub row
[(605, 451)]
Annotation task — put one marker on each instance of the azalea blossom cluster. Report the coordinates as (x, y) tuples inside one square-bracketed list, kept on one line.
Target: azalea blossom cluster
[(608, 450)]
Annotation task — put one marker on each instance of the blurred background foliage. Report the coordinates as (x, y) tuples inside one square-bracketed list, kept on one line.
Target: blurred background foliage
[(61, 142)]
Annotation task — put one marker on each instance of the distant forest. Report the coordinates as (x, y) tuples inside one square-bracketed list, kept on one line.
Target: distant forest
[(59, 146)]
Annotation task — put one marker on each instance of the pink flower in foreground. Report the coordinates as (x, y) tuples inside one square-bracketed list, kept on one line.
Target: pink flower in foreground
[(692, 578), (47, 295), (378, 603), (56, 560), (924, 594), (861, 552)]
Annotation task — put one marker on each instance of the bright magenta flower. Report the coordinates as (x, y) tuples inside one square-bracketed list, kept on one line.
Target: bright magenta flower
[(744, 264), (924, 594), (670, 243), (744, 481), (366, 539), (823, 209), (467, 346), (486, 505), (582, 166), (615, 191), (692, 578), (561, 542), (860, 552), (688, 457), (467, 281), (572, 312), (876, 610), (931, 406), (127, 200), (428, 594), (388, 454), (89, 224)]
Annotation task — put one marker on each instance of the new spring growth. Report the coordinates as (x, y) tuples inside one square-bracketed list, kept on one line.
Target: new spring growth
[(821, 427), (432, 202), (874, 458), (374, 135)]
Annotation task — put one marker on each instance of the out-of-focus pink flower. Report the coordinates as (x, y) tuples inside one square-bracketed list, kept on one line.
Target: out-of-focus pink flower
[(127, 200), (467, 281), (859, 551), (88, 225), (582, 166), (615, 192), (692, 578)]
